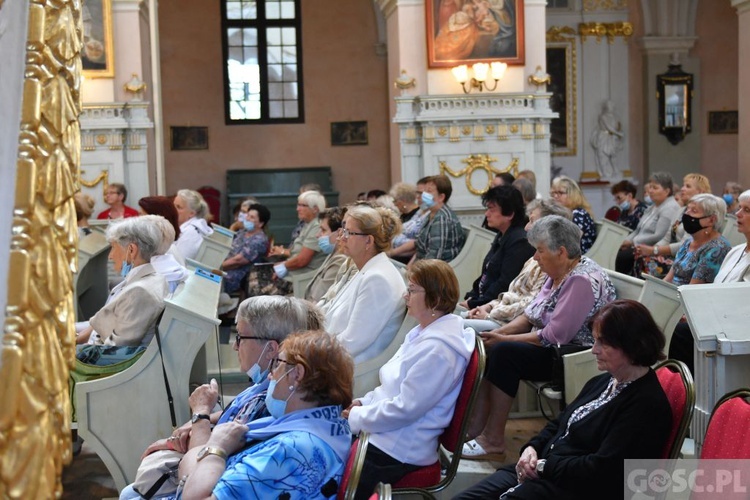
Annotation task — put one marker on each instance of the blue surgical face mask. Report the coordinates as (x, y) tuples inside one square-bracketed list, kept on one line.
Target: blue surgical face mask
[(249, 225), (728, 198), (648, 201), (255, 373), (428, 199), (126, 267), (625, 206), (242, 216), (324, 242), (276, 407)]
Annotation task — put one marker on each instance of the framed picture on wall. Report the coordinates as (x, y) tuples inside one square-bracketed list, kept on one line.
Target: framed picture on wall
[(348, 133), (188, 138), (471, 31), (723, 122), (561, 66), (97, 52)]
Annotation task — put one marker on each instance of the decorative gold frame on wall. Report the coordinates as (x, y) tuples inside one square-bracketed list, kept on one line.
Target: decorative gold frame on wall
[(479, 162), (38, 341), (108, 42), (564, 37)]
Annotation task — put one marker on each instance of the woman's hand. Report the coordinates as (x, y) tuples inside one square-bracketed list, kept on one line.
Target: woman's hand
[(526, 466), (493, 337), (277, 250), (642, 250), (480, 312), (626, 244), (204, 398), (229, 436), (345, 413)]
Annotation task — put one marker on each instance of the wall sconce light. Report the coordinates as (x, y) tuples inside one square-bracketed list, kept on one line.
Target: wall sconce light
[(495, 70)]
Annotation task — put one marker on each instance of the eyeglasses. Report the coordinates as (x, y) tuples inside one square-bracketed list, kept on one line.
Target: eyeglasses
[(346, 233), (557, 193), (238, 338), (412, 291), (275, 362)]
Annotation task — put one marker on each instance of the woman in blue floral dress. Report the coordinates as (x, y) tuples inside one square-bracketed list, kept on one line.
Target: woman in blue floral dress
[(250, 246), (567, 192)]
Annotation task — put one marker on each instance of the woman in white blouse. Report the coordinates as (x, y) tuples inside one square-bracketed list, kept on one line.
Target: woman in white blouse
[(192, 215), (416, 398), (367, 312)]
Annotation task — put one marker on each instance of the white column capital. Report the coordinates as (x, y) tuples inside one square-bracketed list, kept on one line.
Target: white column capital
[(742, 6), (667, 44)]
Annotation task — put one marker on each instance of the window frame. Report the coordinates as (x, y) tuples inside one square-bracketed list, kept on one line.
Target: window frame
[(260, 25)]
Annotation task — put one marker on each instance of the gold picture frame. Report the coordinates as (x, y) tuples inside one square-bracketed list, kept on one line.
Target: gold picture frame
[(97, 51), (562, 68)]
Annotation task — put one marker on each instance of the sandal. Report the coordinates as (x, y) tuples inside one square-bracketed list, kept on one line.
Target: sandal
[(474, 451)]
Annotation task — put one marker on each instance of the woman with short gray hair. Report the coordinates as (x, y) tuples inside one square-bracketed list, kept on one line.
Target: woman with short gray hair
[(192, 215), (129, 316), (700, 256), (575, 289)]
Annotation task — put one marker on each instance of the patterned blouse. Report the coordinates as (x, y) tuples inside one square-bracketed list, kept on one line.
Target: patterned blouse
[(631, 220), (254, 248), (702, 264), (605, 397), (582, 219)]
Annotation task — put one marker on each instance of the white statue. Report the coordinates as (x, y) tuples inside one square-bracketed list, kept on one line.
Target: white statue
[(607, 140)]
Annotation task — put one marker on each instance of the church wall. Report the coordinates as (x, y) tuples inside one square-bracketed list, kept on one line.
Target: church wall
[(344, 80)]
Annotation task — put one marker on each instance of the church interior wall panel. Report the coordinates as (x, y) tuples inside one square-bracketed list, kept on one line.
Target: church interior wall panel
[(344, 80)]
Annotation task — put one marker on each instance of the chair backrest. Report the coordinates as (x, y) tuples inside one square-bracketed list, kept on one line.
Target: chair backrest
[(353, 469), (608, 240), (728, 435), (663, 302), (731, 231), (678, 386), (468, 263)]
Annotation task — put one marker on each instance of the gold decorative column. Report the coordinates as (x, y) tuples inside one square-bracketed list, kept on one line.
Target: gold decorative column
[(38, 342)]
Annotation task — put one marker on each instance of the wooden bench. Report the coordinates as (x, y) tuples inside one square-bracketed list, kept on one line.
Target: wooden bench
[(212, 252), (120, 415), (468, 263), (222, 235), (90, 282), (609, 237), (663, 302)]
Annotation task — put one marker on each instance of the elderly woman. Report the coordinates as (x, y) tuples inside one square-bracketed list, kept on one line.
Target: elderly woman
[(115, 196), (732, 191), (658, 258), (524, 287), (161, 205), (622, 414), (510, 249), (129, 316), (168, 261), (368, 311), (263, 323), (631, 209), (298, 452), (328, 240), (408, 199), (441, 236), (654, 224), (735, 267), (576, 288), (406, 414), (700, 256), (192, 215), (304, 254), (249, 246), (567, 192)]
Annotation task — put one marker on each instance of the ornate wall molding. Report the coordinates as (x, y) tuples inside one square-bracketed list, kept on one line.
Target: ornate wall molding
[(38, 344), (609, 30)]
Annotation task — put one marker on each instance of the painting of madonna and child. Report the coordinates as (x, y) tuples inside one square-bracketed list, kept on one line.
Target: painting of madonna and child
[(470, 31)]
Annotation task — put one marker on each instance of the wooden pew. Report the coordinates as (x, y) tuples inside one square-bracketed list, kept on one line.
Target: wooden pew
[(626, 286), (212, 252), (90, 282), (222, 235), (468, 263), (718, 316), (119, 416), (730, 231), (610, 236), (663, 302)]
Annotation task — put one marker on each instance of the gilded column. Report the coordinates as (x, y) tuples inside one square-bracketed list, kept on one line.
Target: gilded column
[(38, 339)]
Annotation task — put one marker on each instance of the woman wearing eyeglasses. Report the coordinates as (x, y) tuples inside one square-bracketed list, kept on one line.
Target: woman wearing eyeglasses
[(567, 192), (419, 385), (298, 452), (367, 312)]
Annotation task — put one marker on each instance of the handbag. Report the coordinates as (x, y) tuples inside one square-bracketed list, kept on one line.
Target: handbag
[(157, 474)]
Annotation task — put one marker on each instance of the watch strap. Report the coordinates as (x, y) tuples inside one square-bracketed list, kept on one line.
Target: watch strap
[(210, 450)]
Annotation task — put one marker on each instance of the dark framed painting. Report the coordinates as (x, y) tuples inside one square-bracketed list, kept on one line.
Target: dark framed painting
[(723, 122), (348, 133), (97, 51), (188, 138), (471, 31), (561, 66)]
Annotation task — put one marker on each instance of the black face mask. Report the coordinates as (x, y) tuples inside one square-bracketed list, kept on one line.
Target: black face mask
[(692, 224)]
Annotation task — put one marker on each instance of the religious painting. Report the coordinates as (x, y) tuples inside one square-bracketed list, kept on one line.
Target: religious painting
[(188, 138), (348, 133), (97, 52), (723, 122), (471, 31), (561, 66)]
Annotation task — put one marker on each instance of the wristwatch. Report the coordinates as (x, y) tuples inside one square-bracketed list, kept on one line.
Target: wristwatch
[(200, 416), (656, 250), (539, 466), (210, 450)]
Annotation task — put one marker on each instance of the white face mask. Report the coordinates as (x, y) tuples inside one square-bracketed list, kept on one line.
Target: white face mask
[(255, 373)]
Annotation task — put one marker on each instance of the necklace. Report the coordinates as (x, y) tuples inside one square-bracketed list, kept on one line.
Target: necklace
[(556, 283)]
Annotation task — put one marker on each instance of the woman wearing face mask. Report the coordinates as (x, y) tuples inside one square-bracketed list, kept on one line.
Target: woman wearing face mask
[(441, 236), (732, 192), (700, 256), (329, 243), (129, 316), (263, 323), (299, 452), (409, 202), (631, 209), (250, 245)]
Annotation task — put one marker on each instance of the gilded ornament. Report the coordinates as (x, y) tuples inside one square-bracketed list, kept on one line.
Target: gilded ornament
[(489, 129), (442, 131), (478, 162), (560, 33), (103, 177), (101, 139), (610, 30), (466, 130), (514, 129)]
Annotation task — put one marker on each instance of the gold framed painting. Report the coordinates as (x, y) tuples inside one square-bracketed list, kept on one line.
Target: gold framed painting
[(561, 66), (97, 52), (471, 31)]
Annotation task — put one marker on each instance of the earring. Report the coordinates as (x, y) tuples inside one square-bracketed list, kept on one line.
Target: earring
[(433, 312), (291, 387)]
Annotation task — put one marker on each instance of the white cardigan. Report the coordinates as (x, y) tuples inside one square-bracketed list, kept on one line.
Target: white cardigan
[(418, 389), (368, 311), (192, 232)]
